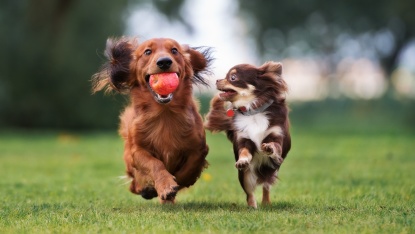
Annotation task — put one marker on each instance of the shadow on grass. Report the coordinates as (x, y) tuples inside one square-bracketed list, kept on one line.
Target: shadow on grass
[(205, 206)]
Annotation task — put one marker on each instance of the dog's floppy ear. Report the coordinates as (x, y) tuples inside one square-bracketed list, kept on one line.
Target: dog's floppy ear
[(200, 60), (116, 73), (274, 70)]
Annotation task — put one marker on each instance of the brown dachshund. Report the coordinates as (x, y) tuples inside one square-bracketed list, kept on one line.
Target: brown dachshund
[(165, 146)]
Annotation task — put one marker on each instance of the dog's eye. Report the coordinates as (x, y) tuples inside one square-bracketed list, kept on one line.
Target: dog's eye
[(233, 77), (174, 51), (147, 52)]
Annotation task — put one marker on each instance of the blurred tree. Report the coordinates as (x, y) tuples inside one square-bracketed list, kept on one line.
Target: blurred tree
[(50, 49), (376, 29), (327, 29)]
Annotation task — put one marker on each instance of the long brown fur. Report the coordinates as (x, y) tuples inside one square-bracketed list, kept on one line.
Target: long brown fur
[(259, 129), (165, 146)]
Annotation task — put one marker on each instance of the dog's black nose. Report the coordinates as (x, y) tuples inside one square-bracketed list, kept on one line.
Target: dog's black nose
[(164, 63)]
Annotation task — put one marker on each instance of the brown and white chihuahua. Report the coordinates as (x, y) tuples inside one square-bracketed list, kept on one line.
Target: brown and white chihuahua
[(256, 122)]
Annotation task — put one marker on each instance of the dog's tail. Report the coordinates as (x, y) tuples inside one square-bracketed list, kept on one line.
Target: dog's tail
[(217, 120)]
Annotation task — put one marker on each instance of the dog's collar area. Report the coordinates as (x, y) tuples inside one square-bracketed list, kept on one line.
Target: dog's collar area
[(245, 111)]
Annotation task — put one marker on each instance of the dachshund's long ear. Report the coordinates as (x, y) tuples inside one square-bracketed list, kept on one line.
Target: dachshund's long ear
[(200, 60), (116, 73)]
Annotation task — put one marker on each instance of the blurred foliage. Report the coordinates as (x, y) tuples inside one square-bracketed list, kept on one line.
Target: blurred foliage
[(321, 27), (348, 116), (50, 49)]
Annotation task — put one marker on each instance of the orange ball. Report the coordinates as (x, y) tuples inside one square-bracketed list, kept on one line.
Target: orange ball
[(164, 83)]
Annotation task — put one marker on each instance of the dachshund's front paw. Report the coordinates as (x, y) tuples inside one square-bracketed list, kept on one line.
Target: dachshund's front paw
[(167, 188), (169, 193)]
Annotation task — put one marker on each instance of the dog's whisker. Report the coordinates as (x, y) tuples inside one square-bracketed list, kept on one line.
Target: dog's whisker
[(125, 183), (124, 179)]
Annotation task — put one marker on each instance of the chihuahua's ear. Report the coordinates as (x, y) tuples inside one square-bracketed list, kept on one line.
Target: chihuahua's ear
[(274, 70), (200, 59), (272, 67), (116, 73)]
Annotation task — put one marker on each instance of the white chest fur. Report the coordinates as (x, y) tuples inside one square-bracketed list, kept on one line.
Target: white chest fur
[(253, 127), (256, 128)]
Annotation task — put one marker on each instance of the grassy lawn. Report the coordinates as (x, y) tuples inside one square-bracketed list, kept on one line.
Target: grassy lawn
[(331, 182)]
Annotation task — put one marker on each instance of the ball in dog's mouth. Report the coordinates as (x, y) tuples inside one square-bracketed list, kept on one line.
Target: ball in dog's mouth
[(163, 85)]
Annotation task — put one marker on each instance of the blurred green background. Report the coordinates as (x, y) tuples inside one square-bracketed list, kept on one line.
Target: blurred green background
[(51, 48)]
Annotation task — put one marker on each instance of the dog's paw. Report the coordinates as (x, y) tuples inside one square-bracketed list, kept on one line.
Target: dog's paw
[(167, 187), (269, 148), (242, 163), (277, 160), (169, 193), (274, 152), (149, 193)]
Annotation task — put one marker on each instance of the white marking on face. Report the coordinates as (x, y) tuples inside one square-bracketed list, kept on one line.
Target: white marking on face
[(246, 96)]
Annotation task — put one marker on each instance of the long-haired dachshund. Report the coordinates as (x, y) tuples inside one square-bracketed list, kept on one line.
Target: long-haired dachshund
[(256, 123), (165, 146)]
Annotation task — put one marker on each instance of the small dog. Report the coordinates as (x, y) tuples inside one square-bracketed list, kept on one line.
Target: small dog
[(165, 145), (257, 123)]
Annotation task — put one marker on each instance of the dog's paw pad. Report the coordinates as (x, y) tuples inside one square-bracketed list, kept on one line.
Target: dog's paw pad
[(242, 163)]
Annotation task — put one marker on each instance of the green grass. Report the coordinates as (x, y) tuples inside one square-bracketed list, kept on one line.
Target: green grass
[(330, 183)]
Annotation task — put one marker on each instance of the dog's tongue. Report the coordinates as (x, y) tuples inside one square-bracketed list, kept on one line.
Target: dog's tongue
[(164, 83)]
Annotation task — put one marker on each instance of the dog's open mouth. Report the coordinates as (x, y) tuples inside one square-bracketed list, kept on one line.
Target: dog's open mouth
[(227, 93), (162, 86)]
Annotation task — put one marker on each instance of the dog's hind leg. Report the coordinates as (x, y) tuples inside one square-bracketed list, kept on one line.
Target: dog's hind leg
[(265, 194), (193, 167), (249, 182)]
